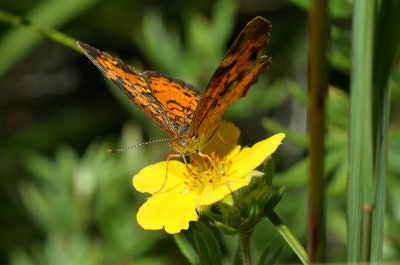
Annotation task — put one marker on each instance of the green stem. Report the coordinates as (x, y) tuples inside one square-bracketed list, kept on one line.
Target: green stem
[(245, 243), (45, 31), (366, 234), (319, 29), (288, 236)]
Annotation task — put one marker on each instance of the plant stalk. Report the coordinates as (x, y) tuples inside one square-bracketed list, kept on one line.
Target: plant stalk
[(245, 243), (319, 29)]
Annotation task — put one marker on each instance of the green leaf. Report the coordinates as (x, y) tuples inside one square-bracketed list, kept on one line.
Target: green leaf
[(238, 258), (275, 257), (264, 255), (207, 245), (287, 235), (186, 248)]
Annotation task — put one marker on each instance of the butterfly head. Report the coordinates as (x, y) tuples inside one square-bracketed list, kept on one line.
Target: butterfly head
[(185, 145)]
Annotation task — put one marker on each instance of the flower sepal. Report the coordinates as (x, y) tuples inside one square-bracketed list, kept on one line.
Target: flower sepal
[(220, 221), (274, 200), (244, 209), (256, 193), (228, 230), (228, 214), (232, 220)]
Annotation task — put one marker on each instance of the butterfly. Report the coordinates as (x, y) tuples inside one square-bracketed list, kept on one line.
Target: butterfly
[(177, 107)]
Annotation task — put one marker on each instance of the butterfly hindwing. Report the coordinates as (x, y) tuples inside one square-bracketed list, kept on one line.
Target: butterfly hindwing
[(180, 99), (169, 103)]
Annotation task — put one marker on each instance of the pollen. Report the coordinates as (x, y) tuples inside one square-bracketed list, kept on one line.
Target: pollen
[(206, 171)]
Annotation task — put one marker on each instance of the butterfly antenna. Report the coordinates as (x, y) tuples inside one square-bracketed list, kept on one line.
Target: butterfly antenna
[(113, 151)]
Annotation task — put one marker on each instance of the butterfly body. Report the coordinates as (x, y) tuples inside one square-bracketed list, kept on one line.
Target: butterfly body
[(175, 106)]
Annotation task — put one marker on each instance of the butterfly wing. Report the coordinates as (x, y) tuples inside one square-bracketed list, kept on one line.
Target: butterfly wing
[(236, 73), (169, 103), (177, 98)]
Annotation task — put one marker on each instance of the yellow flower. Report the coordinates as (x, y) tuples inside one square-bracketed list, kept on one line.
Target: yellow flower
[(189, 188)]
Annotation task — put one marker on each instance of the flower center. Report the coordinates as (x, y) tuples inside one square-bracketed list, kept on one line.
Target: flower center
[(207, 171)]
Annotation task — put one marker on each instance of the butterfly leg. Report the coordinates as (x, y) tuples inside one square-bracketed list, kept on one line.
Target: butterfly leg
[(166, 171), (215, 166)]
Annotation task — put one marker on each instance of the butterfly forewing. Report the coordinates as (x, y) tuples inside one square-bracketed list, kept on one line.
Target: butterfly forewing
[(236, 73)]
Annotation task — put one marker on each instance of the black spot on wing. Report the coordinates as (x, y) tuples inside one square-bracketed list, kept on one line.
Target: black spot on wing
[(149, 74), (222, 70), (214, 104), (254, 54), (226, 90), (187, 94)]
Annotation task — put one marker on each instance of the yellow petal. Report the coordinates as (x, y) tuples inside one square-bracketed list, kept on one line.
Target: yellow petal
[(151, 178), (250, 158), (232, 153), (171, 210), (211, 195), (229, 134)]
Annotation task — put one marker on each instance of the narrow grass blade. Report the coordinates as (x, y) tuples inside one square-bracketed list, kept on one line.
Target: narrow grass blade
[(361, 148), (381, 164), (386, 45)]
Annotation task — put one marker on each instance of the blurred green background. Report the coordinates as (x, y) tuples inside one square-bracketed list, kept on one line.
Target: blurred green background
[(65, 200)]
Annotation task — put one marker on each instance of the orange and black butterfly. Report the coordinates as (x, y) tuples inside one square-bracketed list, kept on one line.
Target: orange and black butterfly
[(176, 107)]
